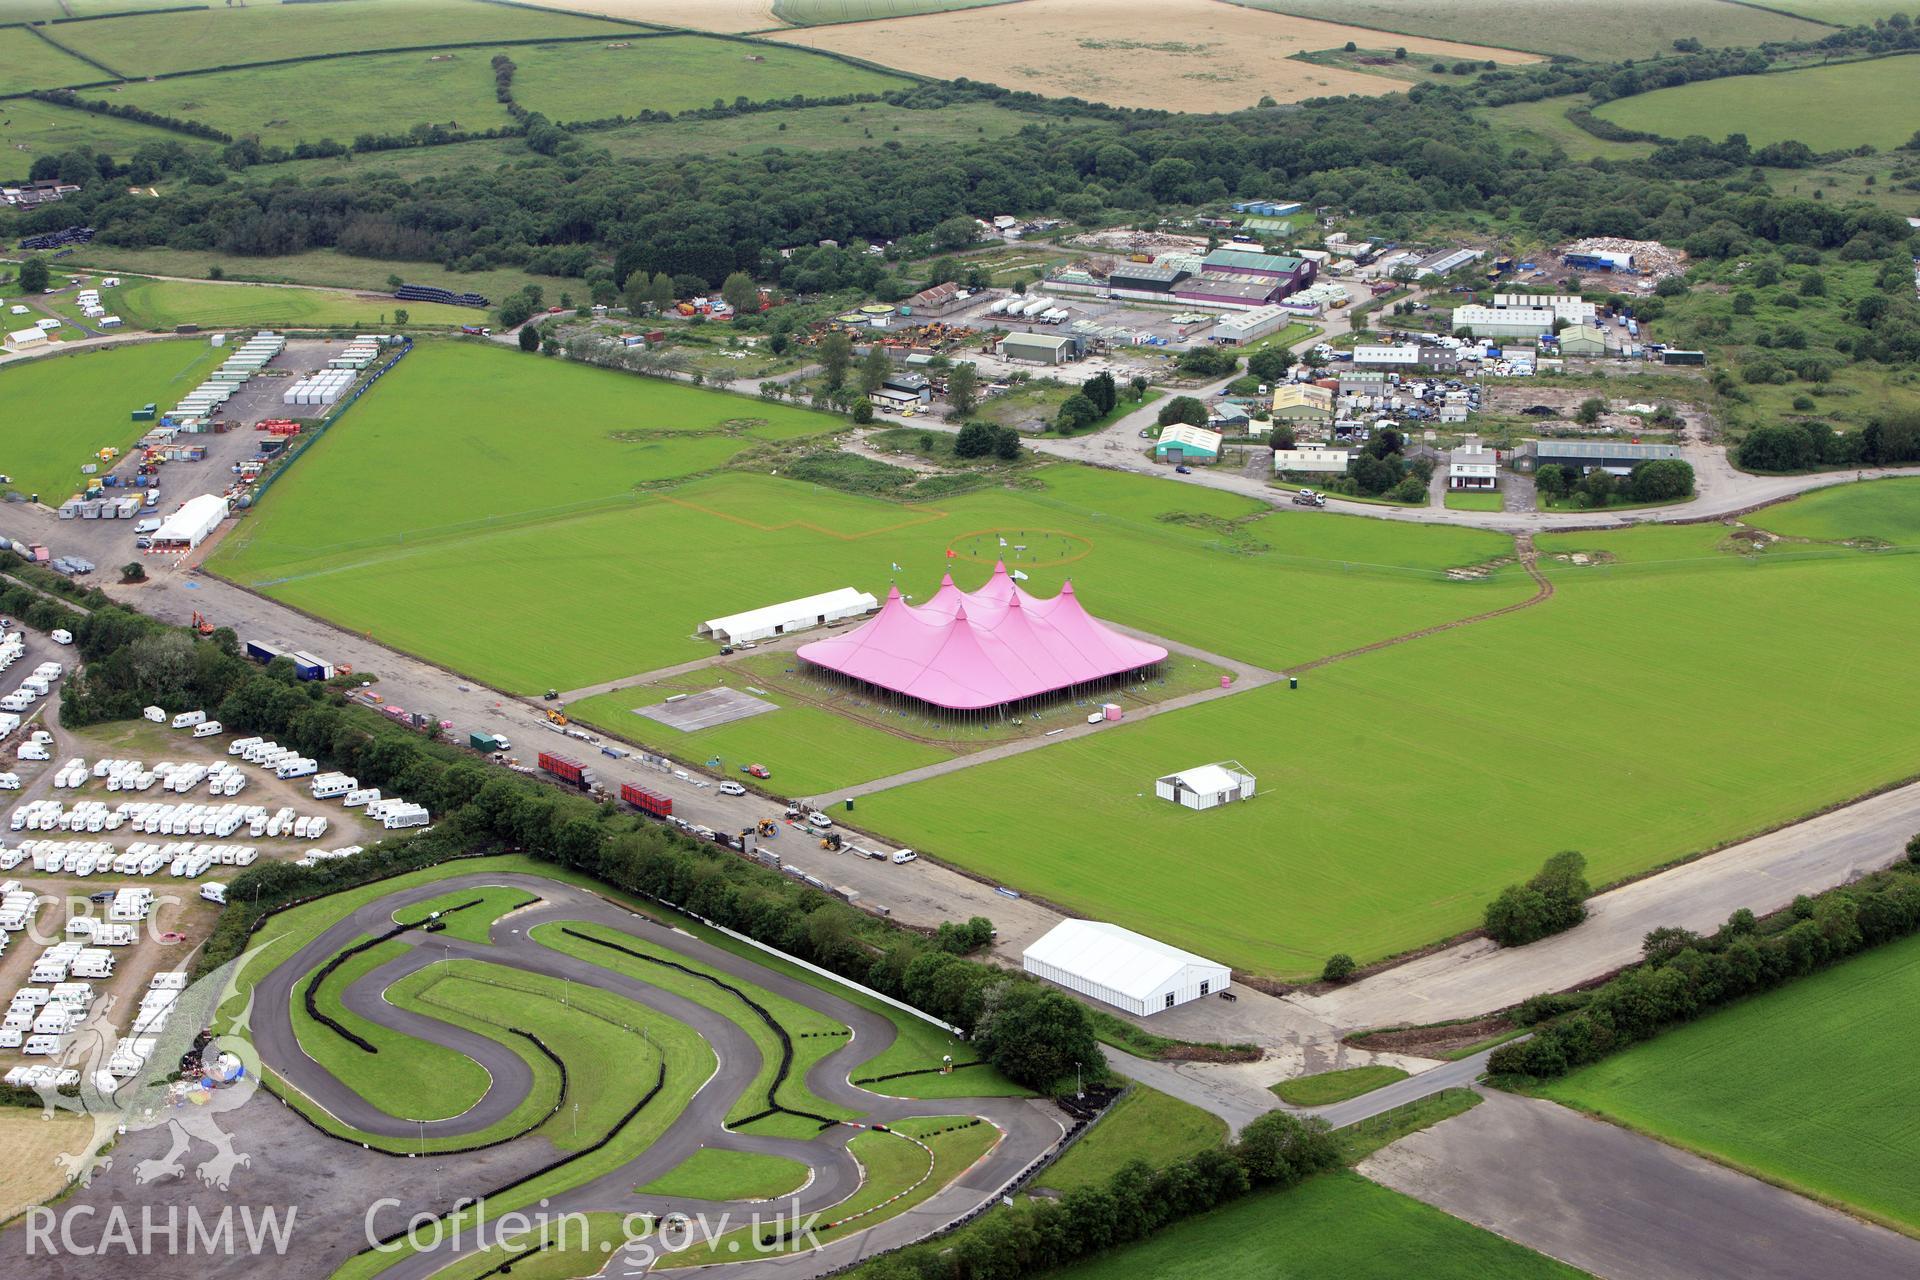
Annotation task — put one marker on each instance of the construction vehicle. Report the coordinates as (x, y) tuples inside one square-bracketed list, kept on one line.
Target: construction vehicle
[(831, 842), (201, 624), (557, 716), (767, 827), (551, 695)]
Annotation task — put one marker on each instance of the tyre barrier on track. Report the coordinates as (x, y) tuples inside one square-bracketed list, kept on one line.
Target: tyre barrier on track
[(545, 1169), (786, 1042), (267, 1083), (326, 970)]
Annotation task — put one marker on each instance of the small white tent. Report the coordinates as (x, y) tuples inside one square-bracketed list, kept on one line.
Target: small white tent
[(1207, 785), (1125, 969)]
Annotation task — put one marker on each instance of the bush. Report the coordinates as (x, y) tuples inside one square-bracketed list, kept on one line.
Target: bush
[(1207, 362), (1183, 409), (1552, 902), (1340, 967), (862, 411)]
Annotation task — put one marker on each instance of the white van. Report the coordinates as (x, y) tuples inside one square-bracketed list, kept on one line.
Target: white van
[(903, 856)]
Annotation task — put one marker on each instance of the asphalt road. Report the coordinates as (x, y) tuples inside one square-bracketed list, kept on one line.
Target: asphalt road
[(1624, 1206)]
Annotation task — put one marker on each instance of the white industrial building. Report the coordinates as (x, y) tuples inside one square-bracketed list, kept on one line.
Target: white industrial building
[(1570, 307), (793, 615), (1251, 326), (188, 527), (1504, 322), (1393, 357), (1206, 786), (1125, 969), (1312, 461)]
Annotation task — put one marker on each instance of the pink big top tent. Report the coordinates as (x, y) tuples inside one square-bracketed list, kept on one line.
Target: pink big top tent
[(968, 651)]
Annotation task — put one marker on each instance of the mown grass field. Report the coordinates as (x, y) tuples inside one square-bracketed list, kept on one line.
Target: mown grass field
[(28, 62), (61, 409), (1145, 1125), (1326, 1087), (1681, 754), (1338, 1224), (1853, 104), (1600, 33), (1468, 500), (153, 44), (1883, 510), (569, 82), (715, 1174), (162, 304), (551, 520), (379, 94), (1806, 1085), (478, 909)]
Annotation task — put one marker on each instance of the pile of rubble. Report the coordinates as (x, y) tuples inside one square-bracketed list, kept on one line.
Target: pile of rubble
[(1141, 242), (1653, 259)]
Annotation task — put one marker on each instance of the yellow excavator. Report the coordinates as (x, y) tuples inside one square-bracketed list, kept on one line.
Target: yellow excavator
[(557, 717)]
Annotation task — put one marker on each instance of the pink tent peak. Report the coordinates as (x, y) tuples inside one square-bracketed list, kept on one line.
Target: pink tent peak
[(968, 651)]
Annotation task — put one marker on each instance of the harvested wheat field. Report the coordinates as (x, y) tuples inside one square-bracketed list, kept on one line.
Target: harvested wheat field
[(701, 15), (1179, 55), (31, 1141)]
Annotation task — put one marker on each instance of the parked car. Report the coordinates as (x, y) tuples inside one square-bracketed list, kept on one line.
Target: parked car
[(1183, 470), (759, 771), (732, 789), (904, 856), (819, 821)]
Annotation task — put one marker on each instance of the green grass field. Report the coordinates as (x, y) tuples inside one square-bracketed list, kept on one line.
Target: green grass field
[(1542, 125), (556, 515), (1335, 1086), (471, 923), (153, 44), (713, 1174), (28, 62), (1467, 500), (316, 266), (1144, 1125), (1338, 1224), (814, 13), (1635, 29), (61, 409), (1805, 1086), (1682, 754), (676, 73), (162, 304), (1829, 108), (1846, 13), (1883, 510), (379, 94), (865, 124)]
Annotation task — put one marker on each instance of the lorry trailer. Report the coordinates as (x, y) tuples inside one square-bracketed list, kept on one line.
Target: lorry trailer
[(648, 802), (571, 772)]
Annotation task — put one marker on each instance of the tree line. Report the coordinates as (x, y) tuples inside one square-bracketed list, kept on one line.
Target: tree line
[(1033, 1033)]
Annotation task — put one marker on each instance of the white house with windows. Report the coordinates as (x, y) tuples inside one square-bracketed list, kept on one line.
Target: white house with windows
[(1125, 969), (1473, 466)]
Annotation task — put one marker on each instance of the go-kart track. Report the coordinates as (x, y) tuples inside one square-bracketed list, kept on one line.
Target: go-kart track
[(333, 1180)]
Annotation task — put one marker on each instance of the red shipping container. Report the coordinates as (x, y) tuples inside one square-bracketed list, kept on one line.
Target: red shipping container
[(651, 802)]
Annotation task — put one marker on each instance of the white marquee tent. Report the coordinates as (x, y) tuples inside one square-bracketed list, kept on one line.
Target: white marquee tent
[(1125, 969), (188, 527), (793, 615), (1207, 785)]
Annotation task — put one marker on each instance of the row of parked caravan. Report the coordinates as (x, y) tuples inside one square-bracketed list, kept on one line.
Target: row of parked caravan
[(17, 906), (319, 856), (33, 688), (87, 858), (156, 819), (222, 779), (390, 812), (96, 932), (284, 761)]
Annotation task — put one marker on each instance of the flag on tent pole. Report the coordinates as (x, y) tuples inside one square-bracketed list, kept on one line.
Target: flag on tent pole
[(1019, 576), (898, 569), (951, 553), (1003, 542)]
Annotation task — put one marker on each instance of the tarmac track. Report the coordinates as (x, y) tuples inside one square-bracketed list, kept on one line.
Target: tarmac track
[(1028, 1128)]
